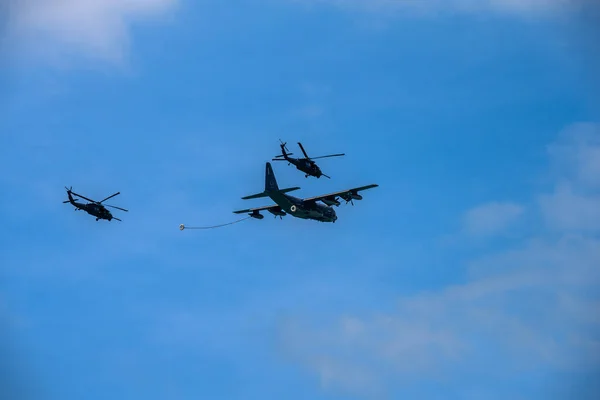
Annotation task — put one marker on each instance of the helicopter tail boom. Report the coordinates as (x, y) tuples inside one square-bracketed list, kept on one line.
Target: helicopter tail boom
[(70, 195), (284, 153)]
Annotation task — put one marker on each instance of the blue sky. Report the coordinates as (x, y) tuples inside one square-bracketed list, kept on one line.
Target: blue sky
[(470, 273)]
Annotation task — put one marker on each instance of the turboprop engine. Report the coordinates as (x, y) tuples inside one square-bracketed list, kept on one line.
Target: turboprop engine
[(257, 215), (278, 212)]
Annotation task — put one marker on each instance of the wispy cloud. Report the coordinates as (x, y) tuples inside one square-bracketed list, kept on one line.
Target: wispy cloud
[(576, 155), (534, 307), (574, 204), (512, 7), (58, 29), (491, 218), (565, 209)]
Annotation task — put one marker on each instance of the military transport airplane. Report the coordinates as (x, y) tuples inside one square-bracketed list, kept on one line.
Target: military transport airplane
[(317, 208)]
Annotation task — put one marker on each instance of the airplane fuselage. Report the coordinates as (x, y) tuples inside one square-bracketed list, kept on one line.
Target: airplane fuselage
[(302, 209)]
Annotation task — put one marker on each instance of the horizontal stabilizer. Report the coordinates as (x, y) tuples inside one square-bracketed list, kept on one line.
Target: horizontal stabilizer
[(287, 190), (266, 194), (256, 196)]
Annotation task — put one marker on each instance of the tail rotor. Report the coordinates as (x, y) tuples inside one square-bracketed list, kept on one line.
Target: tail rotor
[(283, 145), (69, 191), (284, 151)]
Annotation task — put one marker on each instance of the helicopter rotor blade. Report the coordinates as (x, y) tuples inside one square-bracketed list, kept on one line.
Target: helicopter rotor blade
[(326, 176), (117, 219), (119, 208), (109, 197), (330, 155), (83, 197), (303, 151)]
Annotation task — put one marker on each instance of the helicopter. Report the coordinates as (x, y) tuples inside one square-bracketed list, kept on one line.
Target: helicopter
[(95, 208), (306, 164)]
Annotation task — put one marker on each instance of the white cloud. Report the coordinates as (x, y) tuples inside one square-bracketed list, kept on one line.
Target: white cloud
[(511, 7), (309, 112), (533, 308), (566, 210), (576, 155), (491, 218), (96, 28), (575, 202), (533, 317)]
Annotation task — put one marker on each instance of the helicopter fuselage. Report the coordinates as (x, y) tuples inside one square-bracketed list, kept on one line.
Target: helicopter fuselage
[(97, 210), (306, 166)]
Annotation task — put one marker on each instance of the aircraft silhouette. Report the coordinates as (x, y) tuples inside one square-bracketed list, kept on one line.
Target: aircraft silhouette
[(306, 164), (317, 208), (95, 208)]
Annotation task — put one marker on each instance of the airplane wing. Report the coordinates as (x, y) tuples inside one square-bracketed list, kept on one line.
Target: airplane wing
[(255, 212), (274, 206), (348, 195)]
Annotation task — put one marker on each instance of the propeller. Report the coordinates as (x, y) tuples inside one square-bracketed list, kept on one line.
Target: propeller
[(348, 198)]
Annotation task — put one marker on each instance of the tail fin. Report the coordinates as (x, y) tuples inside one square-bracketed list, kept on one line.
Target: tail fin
[(270, 185), (270, 181), (284, 151), (71, 200)]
